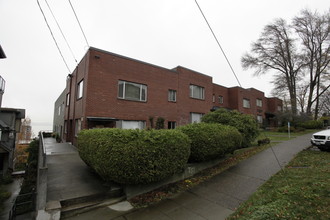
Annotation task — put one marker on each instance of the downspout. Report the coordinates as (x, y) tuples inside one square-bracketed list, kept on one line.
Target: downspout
[(74, 108), (69, 104)]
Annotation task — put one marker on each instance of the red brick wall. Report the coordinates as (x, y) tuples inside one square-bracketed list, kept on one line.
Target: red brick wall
[(221, 91), (101, 90), (273, 104), (102, 70)]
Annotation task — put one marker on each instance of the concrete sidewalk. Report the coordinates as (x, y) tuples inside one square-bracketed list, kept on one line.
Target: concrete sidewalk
[(68, 176), (71, 183), (218, 197)]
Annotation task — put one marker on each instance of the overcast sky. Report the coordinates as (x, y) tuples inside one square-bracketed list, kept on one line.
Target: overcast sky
[(166, 33)]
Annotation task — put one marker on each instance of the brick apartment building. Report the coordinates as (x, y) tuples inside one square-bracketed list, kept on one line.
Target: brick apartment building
[(110, 90)]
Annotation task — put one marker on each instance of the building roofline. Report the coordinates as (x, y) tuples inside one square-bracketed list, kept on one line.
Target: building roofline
[(18, 111), (129, 58), (216, 84), (175, 68), (251, 88)]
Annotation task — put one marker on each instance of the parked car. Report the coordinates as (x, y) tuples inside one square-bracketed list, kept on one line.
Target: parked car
[(322, 140)]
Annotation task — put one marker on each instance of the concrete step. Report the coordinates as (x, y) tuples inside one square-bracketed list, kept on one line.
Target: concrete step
[(74, 206), (79, 208)]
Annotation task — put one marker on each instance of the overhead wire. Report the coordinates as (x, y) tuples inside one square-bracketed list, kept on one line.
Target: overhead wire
[(51, 11), (59, 50), (79, 23), (216, 39), (277, 160)]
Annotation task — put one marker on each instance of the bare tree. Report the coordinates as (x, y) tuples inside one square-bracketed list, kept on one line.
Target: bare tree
[(275, 50), (302, 91), (314, 32), (325, 103)]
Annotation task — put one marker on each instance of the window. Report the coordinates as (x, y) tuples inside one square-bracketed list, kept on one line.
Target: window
[(77, 127), (220, 99), (2, 84), (259, 119), (171, 95), (68, 99), (213, 98), (196, 92), (246, 103), (259, 102), (196, 117), (65, 127), (80, 89), (132, 91), (279, 108), (171, 125), (59, 110), (130, 124)]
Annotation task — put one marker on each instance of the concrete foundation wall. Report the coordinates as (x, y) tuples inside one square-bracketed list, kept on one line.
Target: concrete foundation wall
[(190, 170)]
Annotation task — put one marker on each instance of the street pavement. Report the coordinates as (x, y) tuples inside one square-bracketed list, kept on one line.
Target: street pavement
[(216, 198)]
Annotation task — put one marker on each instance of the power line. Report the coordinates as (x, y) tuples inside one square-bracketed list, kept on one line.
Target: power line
[(59, 50), (218, 44), (79, 23), (61, 31)]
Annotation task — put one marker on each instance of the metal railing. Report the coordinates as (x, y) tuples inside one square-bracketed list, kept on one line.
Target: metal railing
[(35, 200), (42, 173), (22, 204)]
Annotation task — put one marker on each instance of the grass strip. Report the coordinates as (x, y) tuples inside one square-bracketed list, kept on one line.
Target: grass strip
[(300, 191)]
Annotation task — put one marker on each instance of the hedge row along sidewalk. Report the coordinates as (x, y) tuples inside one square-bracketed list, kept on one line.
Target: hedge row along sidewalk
[(131, 157), (134, 156), (173, 189)]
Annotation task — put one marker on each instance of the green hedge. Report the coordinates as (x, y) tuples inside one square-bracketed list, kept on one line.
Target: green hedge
[(134, 156), (210, 141), (311, 124), (244, 123)]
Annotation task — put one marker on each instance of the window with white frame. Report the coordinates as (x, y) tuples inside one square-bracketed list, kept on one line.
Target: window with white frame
[(77, 127), (259, 119), (220, 99), (259, 103), (195, 117), (132, 91), (171, 95), (246, 103), (213, 98), (2, 84), (68, 99), (130, 124), (279, 108), (171, 125), (80, 89), (196, 92)]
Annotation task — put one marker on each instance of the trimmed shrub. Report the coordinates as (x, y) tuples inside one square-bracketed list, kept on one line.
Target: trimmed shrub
[(263, 141), (211, 141), (244, 123), (134, 156), (284, 129), (312, 124)]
